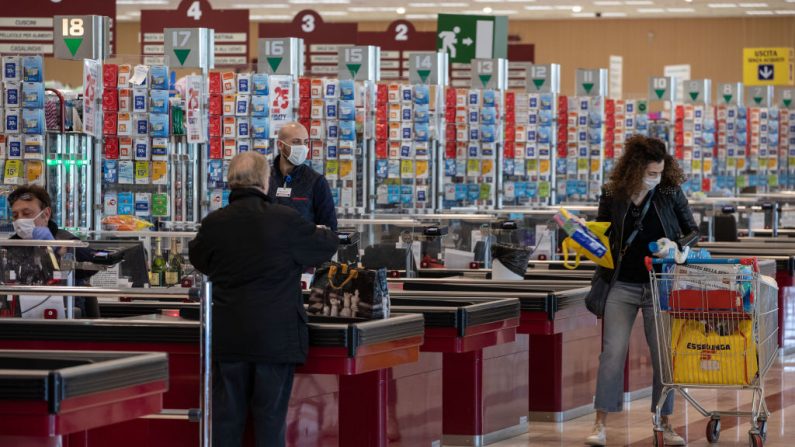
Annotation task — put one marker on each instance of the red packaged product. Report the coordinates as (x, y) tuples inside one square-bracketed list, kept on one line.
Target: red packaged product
[(381, 149), (510, 132), (216, 84), (111, 148), (110, 100), (450, 97), (450, 132), (304, 109), (449, 115), (380, 114), (449, 149), (109, 123), (382, 94), (381, 131), (110, 75), (304, 88), (216, 127), (510, 149), (215, 104), (216, 149), (610, 106), (706, 184)]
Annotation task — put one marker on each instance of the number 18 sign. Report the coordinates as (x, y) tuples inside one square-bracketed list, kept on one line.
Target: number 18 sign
[(81, 37)]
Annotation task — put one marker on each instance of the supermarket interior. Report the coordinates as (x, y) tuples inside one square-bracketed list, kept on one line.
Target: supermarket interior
[(429, 223)]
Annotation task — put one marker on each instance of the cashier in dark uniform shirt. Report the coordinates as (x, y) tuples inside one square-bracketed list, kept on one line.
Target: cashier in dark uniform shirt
[(296, 185)]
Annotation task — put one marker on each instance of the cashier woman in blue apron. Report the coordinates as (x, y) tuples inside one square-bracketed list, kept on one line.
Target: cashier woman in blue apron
[(297, 185)]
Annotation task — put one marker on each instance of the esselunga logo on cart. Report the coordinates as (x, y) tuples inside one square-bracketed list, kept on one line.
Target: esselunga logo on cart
[(703, 347)]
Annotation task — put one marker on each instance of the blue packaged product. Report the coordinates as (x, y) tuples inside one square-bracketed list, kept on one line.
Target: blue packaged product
[(142, 204), (33, 121), (331, 151), (421, 95), (488, 115), (345, 151), (259, 105), (225, 197), (532, 102), (488, 133), (347, 130), (405, 150), (421, 132), (141, 148), (547, 101), (158, 101), (594, 120), (595, 136), (11, 68), (509, 166), (421, 114), (159, 148), (347, 90), (215, 173), (260, 127), (32, 68), (545, 117), (450, 167), (473, 191), (544, 134), (242, 128), (381, 169), (33, 95), (259, 84), (12, 95), (126, 204), (3, 206), (460, 191), (158, 125), (110, 171), (332, 130), (474, 134), (243, 83), (158, 77), (331, 109), (393, 194), (12, 121), (489, 98), (141, 124), (14, 148), (243, 145), (347, 110)]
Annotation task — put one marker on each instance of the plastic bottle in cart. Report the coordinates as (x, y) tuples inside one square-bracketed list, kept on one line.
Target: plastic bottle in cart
[(679, 257)]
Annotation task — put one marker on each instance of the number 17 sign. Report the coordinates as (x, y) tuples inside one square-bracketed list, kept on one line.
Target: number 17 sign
[(189, 47)]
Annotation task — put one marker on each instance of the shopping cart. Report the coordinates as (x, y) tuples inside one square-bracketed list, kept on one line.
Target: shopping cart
[(717, 328)]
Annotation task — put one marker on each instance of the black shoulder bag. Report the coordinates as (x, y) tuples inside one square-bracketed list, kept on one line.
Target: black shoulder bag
[(597, 296)]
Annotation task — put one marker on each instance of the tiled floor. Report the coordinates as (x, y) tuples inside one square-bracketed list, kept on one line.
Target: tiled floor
[(633, 426)]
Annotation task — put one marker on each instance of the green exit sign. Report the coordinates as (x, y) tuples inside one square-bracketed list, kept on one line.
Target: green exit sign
[(466, 37)]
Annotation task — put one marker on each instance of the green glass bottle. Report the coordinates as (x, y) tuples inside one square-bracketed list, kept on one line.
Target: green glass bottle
[(158, 270), (174, 269)]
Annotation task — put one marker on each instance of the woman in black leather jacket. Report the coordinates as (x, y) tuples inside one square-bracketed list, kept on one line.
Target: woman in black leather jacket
[(646, 178)]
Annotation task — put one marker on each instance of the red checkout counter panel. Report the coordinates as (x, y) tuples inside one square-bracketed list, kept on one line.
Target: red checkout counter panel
[(332, 398)]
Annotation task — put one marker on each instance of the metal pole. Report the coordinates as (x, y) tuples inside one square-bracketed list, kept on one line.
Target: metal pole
[(206, 364)]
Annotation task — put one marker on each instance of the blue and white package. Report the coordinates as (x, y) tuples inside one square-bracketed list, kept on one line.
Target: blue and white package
[(488, 133), (381, 169), (450, 167), (595, 136), (532, 117), (345, 149), (405, 131), (421, 95), (140, 124), (243, 145), (32, 68), (545, 117), (12, 71), (259, 84), (546, 101), (331, 110), (460, 191), (259, 105), (126, 203), (139, 100), (14, 146), (473, 116), (474, 134), (142, 204), (473, 98), (215, 173), (347, 110), (159, 101), (489, 98), (12, 95), (158, 123), (421, 150), (242, 103), (406, 112), (12, 121), (595, 120), (642, 122), (331, 90), (544, 134), (244, 82), (110, 171), (348, 130), (487, 150), (331, 151), (159, 149), (141, 148), (405, 149), (488, 115), (243, 129), (158, 77), (33, 95), (33, 121), (347, 90), (260, 128), (473, 191), (332, 130)]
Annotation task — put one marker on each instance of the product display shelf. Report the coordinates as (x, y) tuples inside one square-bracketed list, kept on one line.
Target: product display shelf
[(763, 142), (786, 159), (694, 126)]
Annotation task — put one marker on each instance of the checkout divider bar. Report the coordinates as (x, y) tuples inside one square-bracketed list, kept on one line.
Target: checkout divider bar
[(203, 296)]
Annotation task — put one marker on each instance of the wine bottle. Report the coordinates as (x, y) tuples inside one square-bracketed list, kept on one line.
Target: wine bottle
[(158, 270), (174, 269)]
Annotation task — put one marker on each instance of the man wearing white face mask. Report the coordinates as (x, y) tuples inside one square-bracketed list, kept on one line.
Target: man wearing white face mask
[(296, 185)]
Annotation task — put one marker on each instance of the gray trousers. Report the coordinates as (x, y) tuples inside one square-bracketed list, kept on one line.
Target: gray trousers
[(621, 309)]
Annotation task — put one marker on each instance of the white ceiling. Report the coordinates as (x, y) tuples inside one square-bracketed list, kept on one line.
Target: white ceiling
[(358, 10)]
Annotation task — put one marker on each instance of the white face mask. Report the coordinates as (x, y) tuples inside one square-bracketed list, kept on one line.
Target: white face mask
[(298, 153), (24, 227), (651, 182)]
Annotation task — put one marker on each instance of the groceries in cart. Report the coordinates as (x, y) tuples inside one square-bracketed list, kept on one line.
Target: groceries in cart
[(584, 239)]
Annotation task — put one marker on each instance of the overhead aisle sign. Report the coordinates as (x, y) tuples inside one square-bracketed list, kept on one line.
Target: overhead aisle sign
[(359, 63), (281, 56), (730, 94), (398, 43), (189, 47), (466, 37), (760, 96), (81, 37), (769, 66), (322, 41), (28, 27), (543, 78), (697, 91), (428, 68), (787, 96), (591, 82), (661, 88), (231, 28)]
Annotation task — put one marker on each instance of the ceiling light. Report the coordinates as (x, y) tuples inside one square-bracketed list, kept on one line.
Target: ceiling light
[(141, 2), (753, 5), (421, 16), (681, 10), (607, 3), (538, 8), (639, 2), (260, 6), (424, 5), (650, 10), (362, 9), (270, 17), (614, 14), (689, 1), (488, 1), (722, 5), (401, 10), (760, 13), (504, 12), (453, 5), (576, 9), (487, 10), (583, 15), (785, 11)]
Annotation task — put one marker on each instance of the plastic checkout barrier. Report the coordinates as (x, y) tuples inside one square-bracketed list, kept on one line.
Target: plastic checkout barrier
[(339, 396), (563, 338), (49, 398)]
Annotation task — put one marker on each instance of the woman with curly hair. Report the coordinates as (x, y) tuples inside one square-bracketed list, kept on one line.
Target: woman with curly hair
[(644, 203)]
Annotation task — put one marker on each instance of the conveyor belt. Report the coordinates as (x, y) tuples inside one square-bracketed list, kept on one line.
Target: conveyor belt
[(458, 313)]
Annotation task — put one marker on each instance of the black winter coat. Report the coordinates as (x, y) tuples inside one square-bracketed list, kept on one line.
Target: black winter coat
[(671, 206), (253, 251)]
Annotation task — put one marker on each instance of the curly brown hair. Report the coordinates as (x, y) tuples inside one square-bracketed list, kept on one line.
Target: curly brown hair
[(627, 175)]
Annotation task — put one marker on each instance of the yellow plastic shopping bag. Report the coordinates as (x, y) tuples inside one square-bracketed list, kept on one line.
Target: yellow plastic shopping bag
[(721, 352)]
